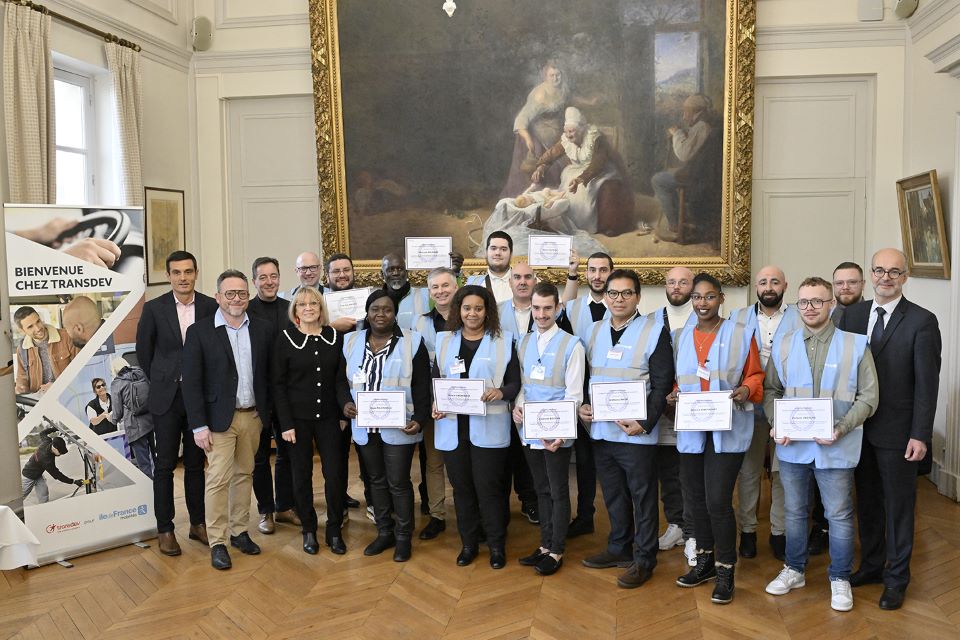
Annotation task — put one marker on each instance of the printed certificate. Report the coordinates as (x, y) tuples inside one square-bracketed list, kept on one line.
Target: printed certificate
[(704, 411), (382, 409), (346, 304), (550, 420), (428, 253), (460, 395), (619, 400), (549, 251), (803, 418)]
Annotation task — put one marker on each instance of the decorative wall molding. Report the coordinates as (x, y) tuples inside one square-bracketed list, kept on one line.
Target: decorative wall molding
[(169, 10), (930, 16), (827, 36), (223, 20), (946, 57), (252, 60)]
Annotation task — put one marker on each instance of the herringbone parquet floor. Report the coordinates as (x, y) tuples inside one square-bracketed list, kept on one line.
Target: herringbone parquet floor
[(283, 593)]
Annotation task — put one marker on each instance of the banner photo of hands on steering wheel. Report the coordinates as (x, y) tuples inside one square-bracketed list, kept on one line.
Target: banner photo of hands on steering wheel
[(76, 281)]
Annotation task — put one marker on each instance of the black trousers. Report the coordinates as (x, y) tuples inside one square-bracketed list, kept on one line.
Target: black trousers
[(551, 476), (520, 472), (422, 456), (263, 484), (708, 479), (671, 489), (364, 477), (328, 438), (479, 479), (388, 467), (886, 502), (586, 474), (171, 430), (628, 478)]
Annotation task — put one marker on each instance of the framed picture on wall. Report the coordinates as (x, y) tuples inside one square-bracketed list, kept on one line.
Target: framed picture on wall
[(921, 223), (165, 222)]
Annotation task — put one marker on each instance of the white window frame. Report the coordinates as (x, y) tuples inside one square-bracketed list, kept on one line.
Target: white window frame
[(89, 120)]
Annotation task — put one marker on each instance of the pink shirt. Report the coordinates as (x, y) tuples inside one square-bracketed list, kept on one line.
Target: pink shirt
[(186, 313)]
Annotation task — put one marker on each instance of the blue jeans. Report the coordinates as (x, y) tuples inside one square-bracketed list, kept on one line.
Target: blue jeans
[(836, 489), (143, 451)]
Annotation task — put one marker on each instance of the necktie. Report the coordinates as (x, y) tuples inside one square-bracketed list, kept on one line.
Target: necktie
[(877, 334)]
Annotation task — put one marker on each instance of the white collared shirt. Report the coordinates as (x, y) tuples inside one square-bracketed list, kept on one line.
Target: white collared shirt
[(186, 315), (888, 307), (768, 326), (523, 317), (501, 285)]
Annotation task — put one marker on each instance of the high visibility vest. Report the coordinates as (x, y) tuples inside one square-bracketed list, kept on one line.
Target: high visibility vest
[(508, 319), (554, 360), (414, 304), (581, 320), (667, 434)]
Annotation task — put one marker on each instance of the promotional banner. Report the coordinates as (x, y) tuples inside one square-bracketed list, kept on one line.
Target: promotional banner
[(76, 284)]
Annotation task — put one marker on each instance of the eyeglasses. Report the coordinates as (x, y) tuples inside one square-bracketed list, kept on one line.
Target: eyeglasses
[(677, 283), (308, 268), (894, 273), (815, 303), (626, 293), (710, 297), (837, 284), (233, 294), (308, 303), (342, 272)]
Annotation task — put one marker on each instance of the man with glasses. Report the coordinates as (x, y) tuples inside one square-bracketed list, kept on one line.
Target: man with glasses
[(628, 347), (226, 392), (308, 271), (341, 277), (905, 342), (847, 286), (819, 361)]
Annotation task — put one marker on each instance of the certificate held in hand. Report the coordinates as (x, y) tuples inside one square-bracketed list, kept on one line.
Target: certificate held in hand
[(550, 420), (350, 303), (612, 401), (803, 418), (460, 396), (381, 409), (549, 251), (428, 253), (704, 411)]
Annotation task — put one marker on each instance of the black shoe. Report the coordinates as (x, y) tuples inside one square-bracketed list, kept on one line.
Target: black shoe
[(778, 545), (336, 544), (533, 559), (245, 544), (351, 503), (532, 512), (704, 570), (402, 552), (579, 527), (748, 545), (548, 565), (860, 577), (380, 544), (723, 589), (498, 560), (219, 558), (434, 528), (310, 544), (634, 577), (467, 556), (819, 540), (607, 560), (892, 598)]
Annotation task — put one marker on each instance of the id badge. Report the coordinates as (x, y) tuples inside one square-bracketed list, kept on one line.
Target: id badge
[(703, 373), (360, 378), (614, 354), (457, 367), (538, 372)]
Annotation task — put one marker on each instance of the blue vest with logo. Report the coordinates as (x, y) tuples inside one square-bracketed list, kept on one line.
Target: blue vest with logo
[(424, 326), (414, 304), (554, 360), (508, 319), (581, 320)]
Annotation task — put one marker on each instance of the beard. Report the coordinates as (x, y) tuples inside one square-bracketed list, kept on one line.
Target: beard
[(678, 299), (771, 299)]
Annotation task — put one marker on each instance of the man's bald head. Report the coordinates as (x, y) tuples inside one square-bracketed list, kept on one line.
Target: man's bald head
[(308, 268), (771, 284), (81, 319), (679, 286)]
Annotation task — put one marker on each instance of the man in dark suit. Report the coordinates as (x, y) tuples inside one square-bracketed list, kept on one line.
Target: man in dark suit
[(160, 336), (226, 362), (905, 341)]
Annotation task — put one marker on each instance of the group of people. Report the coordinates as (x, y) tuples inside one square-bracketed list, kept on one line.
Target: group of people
[(228, 372)]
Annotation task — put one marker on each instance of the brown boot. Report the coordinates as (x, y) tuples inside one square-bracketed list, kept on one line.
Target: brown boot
[(289, 516), (266, 525), (198, 532), (167, 543)]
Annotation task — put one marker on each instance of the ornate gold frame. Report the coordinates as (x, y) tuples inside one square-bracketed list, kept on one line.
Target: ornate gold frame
[(732, 266)]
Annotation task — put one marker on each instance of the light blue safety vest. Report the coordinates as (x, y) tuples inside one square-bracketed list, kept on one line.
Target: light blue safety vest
[(839, 381), (748, 316), (479, 280), (726, 359), (491, 431), (424, 326), (414, 304), (667, 435), (397, 375), (553, 386), (508, 319), (636, 345), (581, 320)]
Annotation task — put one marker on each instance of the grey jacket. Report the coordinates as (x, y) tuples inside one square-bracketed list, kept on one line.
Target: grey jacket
[(135, 426)]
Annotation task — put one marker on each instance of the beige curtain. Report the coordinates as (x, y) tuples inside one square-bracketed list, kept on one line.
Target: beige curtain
[(28, 113), (124, 66)]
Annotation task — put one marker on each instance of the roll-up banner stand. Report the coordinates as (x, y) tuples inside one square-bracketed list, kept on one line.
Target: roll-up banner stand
[(75, 278)]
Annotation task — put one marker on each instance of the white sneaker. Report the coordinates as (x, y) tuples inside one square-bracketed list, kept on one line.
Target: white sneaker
[(672, 537), (841, 595), (690, 550), (787, 580)]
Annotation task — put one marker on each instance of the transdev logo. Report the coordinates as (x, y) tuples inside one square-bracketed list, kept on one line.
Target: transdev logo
[(123, 514), (67, 526)]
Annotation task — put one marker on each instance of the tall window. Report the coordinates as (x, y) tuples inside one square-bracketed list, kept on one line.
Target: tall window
[(76, 153)]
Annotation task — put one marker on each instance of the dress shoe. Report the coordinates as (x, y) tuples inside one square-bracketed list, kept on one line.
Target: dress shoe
[(380, 544), (467, 556), (310, 544), (167, 543), (532, 513), (778, 546), (336, 545), (607, 560), (433, 529), (579, 527), (860, 577), (819, 540), (267, 525), (498, 559), (634, 577), (245, 544), (198, 532), (533, 559), (748, 544), (219, 558), (352, 503), (892, 598), (289, 516), (724, 586), (548, 565), (402, 551)]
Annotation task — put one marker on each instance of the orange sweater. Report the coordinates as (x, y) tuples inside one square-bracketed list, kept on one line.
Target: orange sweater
[(752, 369)]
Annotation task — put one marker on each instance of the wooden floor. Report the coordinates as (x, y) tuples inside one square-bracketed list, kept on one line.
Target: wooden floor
[(283, 593)]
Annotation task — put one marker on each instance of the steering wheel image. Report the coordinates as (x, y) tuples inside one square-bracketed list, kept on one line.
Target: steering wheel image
[(106, 225)]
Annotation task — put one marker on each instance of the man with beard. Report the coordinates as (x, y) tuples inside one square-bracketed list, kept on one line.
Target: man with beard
[(848, 287), (341, 277), (412, 302), (769, 319), (81, 319), (43, 354), (497, 277), (308, 271)]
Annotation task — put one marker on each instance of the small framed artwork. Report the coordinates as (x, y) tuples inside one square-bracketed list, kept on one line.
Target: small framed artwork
[(921, 223), (165, 224)]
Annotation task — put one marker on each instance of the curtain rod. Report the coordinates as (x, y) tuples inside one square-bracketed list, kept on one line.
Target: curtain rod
[(109, 37)]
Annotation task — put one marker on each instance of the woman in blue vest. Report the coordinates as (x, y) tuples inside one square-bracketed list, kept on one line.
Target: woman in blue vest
[(715, 355), (383, 357), (476, 447)]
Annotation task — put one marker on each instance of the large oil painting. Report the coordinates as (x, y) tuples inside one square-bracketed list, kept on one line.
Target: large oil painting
[(626, 124)]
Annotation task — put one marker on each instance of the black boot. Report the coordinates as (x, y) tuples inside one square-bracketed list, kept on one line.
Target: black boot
[(723, 589), (310, 544), (703, 571)]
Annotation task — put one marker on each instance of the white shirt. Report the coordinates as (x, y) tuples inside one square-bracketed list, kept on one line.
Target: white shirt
[(888, 307), (501, 285), (523, 317), (186, 314), (768, 327), (678, 316), (686, 143)]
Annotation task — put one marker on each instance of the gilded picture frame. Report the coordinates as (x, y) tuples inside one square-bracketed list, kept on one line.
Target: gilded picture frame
[(922, 226), (405, 96)]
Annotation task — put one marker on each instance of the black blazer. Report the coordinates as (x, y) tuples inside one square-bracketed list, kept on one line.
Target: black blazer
[(210, 376), (908, 371), (308, 382), (159, 345)]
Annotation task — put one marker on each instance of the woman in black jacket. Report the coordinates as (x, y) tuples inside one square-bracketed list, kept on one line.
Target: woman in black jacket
[(307, 369), (98, 409)]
